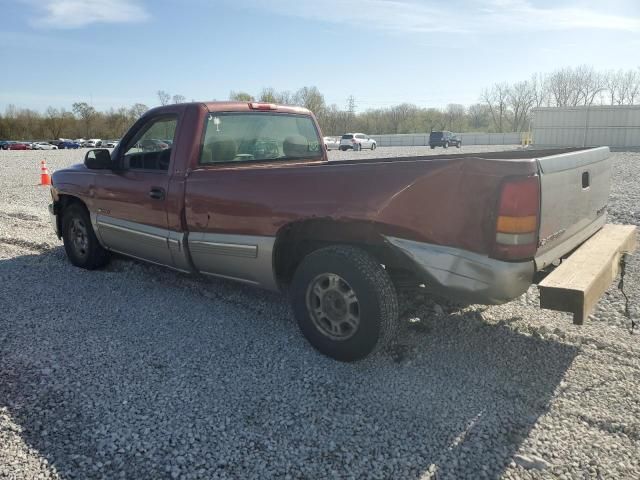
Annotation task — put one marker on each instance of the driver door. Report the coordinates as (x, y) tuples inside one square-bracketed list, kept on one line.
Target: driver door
[(131, 200)]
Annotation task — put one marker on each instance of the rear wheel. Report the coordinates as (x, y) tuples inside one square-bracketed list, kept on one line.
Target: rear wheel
[(344, 302), (459, 145), (80, 241)]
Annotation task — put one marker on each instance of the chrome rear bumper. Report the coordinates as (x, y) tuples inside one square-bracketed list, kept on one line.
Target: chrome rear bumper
[(464, 276)]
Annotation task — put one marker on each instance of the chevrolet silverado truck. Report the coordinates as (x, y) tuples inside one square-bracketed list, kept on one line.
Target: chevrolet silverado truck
[(245, 191)]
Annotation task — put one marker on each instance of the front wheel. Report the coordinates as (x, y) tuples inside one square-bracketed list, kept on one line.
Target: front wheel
[(344, 302), (373, 146), (80, 241), (459, 145), (446, 144)]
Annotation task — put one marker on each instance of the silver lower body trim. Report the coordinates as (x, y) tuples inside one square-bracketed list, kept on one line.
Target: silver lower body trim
[(135, 239), (245, 258), (464, 276)]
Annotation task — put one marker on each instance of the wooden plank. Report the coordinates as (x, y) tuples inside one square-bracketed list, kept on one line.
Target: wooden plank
[(580, 280)]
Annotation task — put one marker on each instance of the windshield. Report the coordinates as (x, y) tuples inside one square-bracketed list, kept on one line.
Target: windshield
[(233, 137)]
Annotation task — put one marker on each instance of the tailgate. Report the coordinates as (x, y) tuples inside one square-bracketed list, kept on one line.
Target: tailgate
[(574, 195)]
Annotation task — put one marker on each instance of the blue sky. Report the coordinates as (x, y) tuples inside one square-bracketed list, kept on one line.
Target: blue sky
[(120, 52)]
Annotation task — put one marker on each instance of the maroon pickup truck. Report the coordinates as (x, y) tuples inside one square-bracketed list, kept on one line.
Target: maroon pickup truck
[(244, 191)]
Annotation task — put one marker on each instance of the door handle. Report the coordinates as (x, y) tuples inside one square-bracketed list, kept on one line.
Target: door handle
[(156, 193)]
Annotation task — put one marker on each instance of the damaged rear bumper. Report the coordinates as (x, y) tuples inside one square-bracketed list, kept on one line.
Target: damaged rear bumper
[(464, 276)]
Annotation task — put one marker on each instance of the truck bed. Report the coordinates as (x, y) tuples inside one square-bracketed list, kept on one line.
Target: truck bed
[(445, 200)]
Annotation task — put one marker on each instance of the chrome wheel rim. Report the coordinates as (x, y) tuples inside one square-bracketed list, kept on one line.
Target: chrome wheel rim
[(333, 306), (79, 237)]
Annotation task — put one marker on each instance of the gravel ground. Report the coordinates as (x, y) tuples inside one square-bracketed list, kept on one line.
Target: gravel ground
[(139, 372)]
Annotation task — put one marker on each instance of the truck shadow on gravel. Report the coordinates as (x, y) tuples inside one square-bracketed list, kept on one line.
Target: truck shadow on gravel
[(141, 372)]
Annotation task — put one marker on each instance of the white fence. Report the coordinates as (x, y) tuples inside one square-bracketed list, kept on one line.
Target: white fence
[(422, 139), (613, 126)]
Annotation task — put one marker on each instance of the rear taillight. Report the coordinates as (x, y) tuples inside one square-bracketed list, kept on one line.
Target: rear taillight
[(518, 216)]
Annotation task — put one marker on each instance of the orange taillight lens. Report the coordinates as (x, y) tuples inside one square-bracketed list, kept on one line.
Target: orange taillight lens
[(509, 224)]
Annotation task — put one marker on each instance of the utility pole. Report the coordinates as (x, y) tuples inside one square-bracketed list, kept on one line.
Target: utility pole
[(351, 110)]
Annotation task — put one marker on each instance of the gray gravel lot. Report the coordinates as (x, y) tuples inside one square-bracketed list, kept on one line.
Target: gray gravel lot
[(139, 372)]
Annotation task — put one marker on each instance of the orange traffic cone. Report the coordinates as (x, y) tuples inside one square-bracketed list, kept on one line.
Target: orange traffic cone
[(45, 177)]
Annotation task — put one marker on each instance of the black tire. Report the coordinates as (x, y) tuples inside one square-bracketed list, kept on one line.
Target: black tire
[(432, 147), (373, 146), (87, 251), (459, 145), (446, 145), (375, 298)]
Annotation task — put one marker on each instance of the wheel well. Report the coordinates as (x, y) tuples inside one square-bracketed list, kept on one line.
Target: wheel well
[(297, 240), (64, 202)]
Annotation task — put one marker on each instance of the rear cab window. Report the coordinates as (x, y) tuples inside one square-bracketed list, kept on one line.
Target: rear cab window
[(347, 137), (252, 136)]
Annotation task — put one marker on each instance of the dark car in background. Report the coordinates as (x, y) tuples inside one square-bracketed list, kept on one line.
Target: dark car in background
[(444, 139), (4, 144), (68, 145)]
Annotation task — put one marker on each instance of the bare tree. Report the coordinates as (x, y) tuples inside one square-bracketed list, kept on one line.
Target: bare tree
[(563, 88), (496, 100), (86, 113), (589, 84), (478, 116), (521, 98), (284, 97), (179, 99), (454, 114), (541, 90), (310, 98), (240, 97), (163, 97), (268, 95), (54, 122), (624, 87), (137, 110)]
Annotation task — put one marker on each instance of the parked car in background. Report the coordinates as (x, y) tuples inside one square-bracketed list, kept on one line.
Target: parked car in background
[(357, 141), (18, 146), (43, 146), (4, 144), (92, 143), (153, 145), (444, 139), (110, 143), (67, 144), (332, 143)]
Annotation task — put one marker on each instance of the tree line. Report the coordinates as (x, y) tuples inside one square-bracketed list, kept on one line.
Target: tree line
[(502, 107)]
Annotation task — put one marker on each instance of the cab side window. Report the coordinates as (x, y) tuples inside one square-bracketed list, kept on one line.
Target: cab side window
[(150, 148)]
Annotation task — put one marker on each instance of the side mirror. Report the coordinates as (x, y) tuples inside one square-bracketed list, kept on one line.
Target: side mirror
[(98, 159)]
